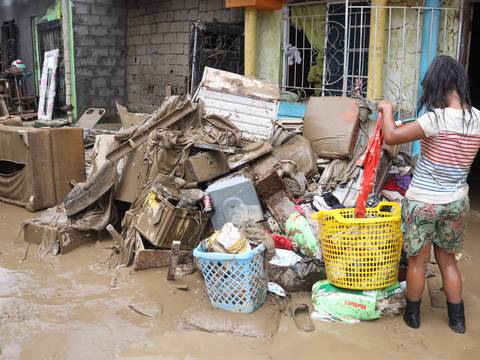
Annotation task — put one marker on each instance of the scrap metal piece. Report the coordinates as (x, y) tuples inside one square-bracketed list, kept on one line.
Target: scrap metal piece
[(156, 258), (90, 118), (251, 152)]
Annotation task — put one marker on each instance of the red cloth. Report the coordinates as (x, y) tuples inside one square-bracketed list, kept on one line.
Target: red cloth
[(392, 185), (370, 164), (282, 242)]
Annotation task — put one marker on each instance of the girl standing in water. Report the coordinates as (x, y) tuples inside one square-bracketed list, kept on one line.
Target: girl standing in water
[(436, 205)]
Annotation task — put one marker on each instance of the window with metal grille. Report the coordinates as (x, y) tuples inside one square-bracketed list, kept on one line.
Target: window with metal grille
[(215, 45), (319, 39)]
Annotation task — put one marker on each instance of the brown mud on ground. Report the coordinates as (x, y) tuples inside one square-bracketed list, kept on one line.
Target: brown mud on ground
[(72, 307)]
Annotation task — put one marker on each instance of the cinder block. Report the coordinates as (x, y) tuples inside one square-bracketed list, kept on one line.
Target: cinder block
[(176, 26), (81, 30), (117, 31), (87, 40), (98, 30), (106, 72), (83, 72), (181, 15), (157, 38), (203, 5), (178, 4), (145, 29), (162, 69), (146, 59), (182, 59), (176, 49), (170, 38), (182, 38), (106, 92), (163, 27), (222, 16), (88, 19), (164, 49), (192, 4), (214, 5), (81, 9), (99, 52), (107, 41), (192, 14), (99, 10), (149, 19), (99, 82), (205, 16), (109, 20), (141, 50)]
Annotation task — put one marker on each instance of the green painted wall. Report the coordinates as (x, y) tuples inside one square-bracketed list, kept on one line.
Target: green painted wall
[(269, 39), (402, 63)]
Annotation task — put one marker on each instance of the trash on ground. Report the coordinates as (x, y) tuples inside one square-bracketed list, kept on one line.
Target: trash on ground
[(350, 306), (258, 193), (276, 289)]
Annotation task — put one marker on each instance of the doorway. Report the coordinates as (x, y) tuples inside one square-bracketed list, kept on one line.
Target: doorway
[(474, 78)]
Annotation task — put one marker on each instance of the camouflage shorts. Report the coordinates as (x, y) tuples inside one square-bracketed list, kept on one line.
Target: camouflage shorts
[(442, 225)]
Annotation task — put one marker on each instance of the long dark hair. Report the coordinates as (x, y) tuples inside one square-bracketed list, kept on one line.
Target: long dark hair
[(444, 75)]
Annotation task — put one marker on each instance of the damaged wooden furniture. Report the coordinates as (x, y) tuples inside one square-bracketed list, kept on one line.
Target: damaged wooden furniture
[(37, 165)]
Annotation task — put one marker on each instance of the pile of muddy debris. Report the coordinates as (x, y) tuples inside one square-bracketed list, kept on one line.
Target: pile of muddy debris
[(232, 159)]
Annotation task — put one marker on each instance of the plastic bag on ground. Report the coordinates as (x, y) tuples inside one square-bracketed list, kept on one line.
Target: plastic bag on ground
[(285, 258), (349, 306), (299, 230)]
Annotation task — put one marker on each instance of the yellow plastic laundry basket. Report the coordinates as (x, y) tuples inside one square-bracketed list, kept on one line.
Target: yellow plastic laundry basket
[(361, 254)]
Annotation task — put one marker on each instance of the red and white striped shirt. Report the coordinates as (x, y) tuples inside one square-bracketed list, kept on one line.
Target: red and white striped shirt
[(451, 144)]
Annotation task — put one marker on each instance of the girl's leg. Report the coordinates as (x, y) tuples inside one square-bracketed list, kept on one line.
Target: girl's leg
[(452, 285), (416, 273), (451, 277)]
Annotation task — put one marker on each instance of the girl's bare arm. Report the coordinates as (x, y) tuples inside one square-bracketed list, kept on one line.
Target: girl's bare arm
[(394, 135)]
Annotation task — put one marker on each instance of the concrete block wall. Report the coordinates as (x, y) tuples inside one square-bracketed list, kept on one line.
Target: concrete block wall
[(158, 45), (100, 38)]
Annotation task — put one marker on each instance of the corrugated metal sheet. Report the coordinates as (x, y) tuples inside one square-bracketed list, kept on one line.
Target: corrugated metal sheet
[(251, 104)]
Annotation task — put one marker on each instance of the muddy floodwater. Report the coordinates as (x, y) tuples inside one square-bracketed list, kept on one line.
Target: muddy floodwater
[(73, 307)]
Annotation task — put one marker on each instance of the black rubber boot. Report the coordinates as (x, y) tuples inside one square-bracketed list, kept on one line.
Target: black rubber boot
[(411, 316), (456, 317)]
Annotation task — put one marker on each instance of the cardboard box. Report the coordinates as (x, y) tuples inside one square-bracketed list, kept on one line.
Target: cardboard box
[(37, 165), (66, 240), (133, 175), (331, 124)]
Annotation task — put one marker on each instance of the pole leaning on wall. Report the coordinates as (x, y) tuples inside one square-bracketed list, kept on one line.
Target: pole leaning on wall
[(430, 33)]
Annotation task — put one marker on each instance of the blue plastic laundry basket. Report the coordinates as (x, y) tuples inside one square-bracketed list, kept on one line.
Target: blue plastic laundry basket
[(234, 282)]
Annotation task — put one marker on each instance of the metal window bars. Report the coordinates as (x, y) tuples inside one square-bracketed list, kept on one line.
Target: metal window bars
[(344, 51)]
